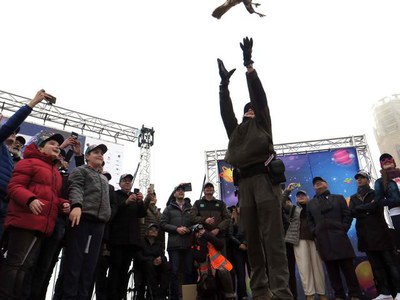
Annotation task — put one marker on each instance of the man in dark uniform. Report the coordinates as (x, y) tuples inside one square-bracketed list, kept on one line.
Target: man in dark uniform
[(250, 149), (212, 213)]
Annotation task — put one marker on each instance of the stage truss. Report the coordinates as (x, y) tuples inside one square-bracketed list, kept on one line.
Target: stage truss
[(359, 142), (66, 119)]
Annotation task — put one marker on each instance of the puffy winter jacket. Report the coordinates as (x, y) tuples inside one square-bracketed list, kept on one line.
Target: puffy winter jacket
[(6, 161), (172, 218), (34, 177)]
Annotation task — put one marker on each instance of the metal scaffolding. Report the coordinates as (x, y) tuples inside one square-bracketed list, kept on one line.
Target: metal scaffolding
[(359, 142), (146, 140), (66, 118), (62, 118)]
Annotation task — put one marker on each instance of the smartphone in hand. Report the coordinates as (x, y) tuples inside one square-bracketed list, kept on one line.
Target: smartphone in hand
[(151, 188), (74, 135), (51, 99)]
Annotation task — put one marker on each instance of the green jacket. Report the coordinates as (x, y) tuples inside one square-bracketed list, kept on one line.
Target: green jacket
[(250, 142), (203, 209)]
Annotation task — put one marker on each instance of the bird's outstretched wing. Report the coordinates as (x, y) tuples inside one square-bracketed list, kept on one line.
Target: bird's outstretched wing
[(221, 10), (249, 6)]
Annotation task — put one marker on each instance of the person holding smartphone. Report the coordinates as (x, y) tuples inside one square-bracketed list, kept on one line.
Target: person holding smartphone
[(124, 235), (8, 132), (35, 201)]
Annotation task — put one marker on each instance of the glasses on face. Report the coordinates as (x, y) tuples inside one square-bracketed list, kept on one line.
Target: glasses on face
[(387, 161)]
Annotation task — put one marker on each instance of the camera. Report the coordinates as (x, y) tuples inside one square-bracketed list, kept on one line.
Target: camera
[(197, 227), (136, 191)]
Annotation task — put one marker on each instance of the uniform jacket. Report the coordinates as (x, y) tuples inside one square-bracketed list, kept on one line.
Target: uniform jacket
[(203, 209), (34, 177), (89, 190), (372, 230), (330, 219), (125, 225), (6, 161), (172, 218), (251, 141)]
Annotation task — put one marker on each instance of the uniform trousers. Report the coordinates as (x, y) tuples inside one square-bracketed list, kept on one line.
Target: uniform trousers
[(261, 218)]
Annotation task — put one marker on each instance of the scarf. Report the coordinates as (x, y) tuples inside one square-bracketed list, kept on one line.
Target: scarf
[(363, 190)]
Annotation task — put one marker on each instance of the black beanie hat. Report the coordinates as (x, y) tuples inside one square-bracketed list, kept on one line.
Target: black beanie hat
[(247, 107)]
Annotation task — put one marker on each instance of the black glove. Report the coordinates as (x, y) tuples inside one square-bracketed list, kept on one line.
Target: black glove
[(247, 48), (225, 75)]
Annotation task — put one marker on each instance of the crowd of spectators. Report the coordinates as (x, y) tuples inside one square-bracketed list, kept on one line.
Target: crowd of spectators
[(48, 211)]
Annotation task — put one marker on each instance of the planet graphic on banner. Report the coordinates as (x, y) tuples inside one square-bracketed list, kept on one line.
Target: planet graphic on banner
[(343, 157), (347, 180), (226, 174), (365, 277)]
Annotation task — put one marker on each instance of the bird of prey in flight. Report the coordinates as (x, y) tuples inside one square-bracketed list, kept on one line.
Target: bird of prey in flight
[(220, 10)]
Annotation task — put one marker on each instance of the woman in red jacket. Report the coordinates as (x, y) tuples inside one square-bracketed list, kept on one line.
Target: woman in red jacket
[(33, 191)]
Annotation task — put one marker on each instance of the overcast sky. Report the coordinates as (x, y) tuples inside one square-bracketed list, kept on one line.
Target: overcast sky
[(323, 65)]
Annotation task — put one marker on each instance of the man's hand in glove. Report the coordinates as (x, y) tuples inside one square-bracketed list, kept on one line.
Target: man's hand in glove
[(247, 49), (225, 75)]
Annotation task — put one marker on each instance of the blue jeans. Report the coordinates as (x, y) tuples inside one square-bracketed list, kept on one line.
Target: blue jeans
[(178, 258)]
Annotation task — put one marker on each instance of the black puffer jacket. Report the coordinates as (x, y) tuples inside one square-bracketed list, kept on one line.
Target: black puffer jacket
[(124, 227), (172, 218)]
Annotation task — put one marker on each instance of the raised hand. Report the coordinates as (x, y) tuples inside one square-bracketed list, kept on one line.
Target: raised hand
[(223, 73), (247, 48)]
